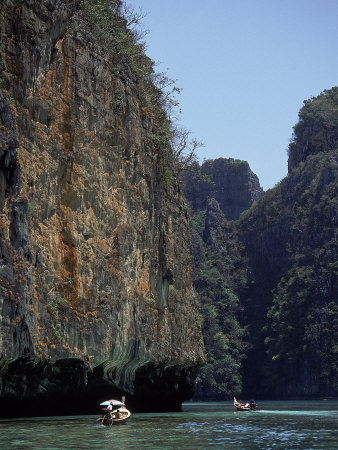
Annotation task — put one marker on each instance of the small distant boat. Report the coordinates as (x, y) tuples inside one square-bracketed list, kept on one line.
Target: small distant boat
[(246, 407), (114, 413)]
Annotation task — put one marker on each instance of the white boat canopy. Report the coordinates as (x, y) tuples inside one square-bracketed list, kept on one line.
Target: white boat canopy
[(114, 402)]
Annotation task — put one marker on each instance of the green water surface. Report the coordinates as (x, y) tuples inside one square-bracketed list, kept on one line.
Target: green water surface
[(276, 425)]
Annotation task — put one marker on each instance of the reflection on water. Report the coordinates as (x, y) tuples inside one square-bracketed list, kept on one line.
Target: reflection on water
[(276, 425)]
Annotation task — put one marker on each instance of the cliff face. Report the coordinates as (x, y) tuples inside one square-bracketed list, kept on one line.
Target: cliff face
[(95, 285), (229, 181), (273, 272), (289, 237), (317, 128), (218, 192)]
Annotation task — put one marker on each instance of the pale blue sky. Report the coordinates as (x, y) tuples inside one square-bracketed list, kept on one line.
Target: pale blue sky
[(245, 67)]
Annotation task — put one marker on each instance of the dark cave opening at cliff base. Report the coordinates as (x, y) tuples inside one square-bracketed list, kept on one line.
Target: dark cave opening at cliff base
[(71, 388)]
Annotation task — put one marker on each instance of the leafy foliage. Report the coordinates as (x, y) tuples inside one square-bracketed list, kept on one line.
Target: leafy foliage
[(117, 26), (280, 261), (303, 317), (317, 128), (224, 338), (289, 288), (295, 289)]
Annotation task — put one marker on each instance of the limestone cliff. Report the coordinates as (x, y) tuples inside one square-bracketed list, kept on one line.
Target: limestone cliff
[(218, 192), (95, 289), (290, 238), (229, 181), (273, 272), (291, 308), (317, 128)]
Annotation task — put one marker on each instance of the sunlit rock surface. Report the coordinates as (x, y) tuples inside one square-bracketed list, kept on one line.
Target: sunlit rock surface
[(95, 290)]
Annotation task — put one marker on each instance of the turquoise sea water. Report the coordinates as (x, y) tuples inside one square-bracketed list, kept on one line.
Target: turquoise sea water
[(276, 425)]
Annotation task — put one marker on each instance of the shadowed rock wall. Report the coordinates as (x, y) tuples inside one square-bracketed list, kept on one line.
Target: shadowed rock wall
[(229, 181)]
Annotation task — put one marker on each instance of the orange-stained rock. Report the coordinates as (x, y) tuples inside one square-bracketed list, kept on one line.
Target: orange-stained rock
[(94, 246)]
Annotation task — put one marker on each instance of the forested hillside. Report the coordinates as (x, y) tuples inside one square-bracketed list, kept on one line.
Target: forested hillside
[(272, 274), (291, 308), (218, 191)]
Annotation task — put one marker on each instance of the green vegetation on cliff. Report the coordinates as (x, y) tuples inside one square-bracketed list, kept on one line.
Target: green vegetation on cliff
[(218, 191), (290, 237), (94, 233), (224, 338), (317, 128), (117, 25), (290, 240), (273, 272)]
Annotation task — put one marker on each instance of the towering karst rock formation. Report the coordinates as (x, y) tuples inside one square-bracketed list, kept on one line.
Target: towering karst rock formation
[(95, 290), (273, 271), (290, 237), (218, 192), (229, 181)]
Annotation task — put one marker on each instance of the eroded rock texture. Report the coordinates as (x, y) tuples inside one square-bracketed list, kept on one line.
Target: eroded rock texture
[(229, 181), (219, 191), (291, 306), (95, 289)]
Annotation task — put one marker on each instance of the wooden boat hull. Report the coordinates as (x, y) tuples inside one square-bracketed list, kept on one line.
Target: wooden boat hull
[(243, 408), (240, 407), (109, 422), (124, 416)]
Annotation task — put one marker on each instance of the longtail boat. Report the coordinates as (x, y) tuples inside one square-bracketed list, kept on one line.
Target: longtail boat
[(114, 412), (245, 407)]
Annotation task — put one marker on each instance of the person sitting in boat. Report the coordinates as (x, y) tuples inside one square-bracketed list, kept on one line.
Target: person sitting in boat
[(253, 404), (118, 414)]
